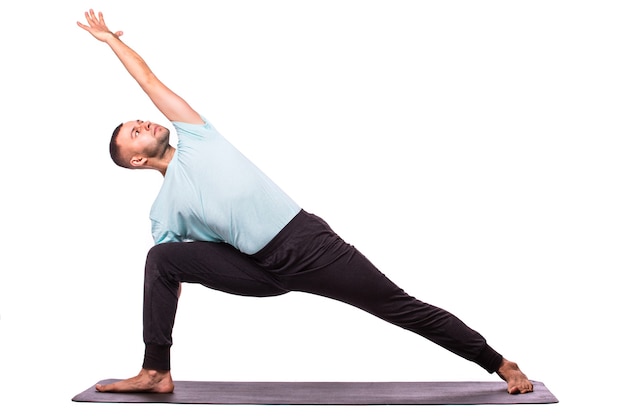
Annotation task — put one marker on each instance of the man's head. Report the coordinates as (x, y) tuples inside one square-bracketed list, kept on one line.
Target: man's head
[(136, 144)]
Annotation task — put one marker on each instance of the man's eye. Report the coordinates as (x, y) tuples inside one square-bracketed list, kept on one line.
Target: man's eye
[(136, 133)]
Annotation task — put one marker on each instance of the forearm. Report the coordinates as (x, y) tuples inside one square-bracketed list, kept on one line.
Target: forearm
[(132, 61)]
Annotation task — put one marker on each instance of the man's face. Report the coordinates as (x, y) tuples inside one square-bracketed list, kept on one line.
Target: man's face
[(139, 138)]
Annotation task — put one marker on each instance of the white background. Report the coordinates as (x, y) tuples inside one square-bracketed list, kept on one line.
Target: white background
[(473, 150)]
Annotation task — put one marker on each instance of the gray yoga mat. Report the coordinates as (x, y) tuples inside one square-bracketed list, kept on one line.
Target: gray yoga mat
[(328, 393)]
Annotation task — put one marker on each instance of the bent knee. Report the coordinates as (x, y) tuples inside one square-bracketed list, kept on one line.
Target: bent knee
[(162, 256)]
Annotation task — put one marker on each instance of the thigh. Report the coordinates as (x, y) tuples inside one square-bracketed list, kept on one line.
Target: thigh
[(215, 265), (353, 279), (309, 256)]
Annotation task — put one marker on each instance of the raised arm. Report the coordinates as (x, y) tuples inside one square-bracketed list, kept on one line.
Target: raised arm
[(173, 107)]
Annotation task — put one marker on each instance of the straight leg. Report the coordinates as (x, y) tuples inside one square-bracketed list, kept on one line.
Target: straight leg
[(354, 280), (308, 256)]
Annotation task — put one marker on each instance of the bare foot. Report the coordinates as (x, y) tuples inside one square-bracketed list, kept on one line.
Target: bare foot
[(146, 381), (517, 382)]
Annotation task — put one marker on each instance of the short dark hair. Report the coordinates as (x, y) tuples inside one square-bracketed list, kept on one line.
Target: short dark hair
[(114, 149)]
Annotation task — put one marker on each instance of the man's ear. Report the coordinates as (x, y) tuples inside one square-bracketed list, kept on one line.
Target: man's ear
[(138, 161)]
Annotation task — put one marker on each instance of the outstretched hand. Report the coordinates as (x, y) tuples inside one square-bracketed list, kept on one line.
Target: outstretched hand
[(97, 27)]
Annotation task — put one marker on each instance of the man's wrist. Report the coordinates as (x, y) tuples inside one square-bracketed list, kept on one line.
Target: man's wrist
[(111, 37)]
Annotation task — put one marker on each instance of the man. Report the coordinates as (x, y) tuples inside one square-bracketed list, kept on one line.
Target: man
[(220, 222)]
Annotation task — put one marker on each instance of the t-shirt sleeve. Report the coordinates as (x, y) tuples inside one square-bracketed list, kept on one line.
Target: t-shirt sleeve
[(193, 130)]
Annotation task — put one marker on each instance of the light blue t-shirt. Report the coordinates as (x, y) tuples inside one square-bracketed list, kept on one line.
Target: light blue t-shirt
[(211, 192)]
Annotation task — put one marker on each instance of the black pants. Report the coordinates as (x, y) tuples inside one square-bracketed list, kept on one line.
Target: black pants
[(305, 256)]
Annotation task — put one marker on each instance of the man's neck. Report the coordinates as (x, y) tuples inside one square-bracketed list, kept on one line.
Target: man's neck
[(165, 160)]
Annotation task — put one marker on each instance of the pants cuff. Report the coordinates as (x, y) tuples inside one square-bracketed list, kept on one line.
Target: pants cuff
[(157, 357), (489, 359)]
